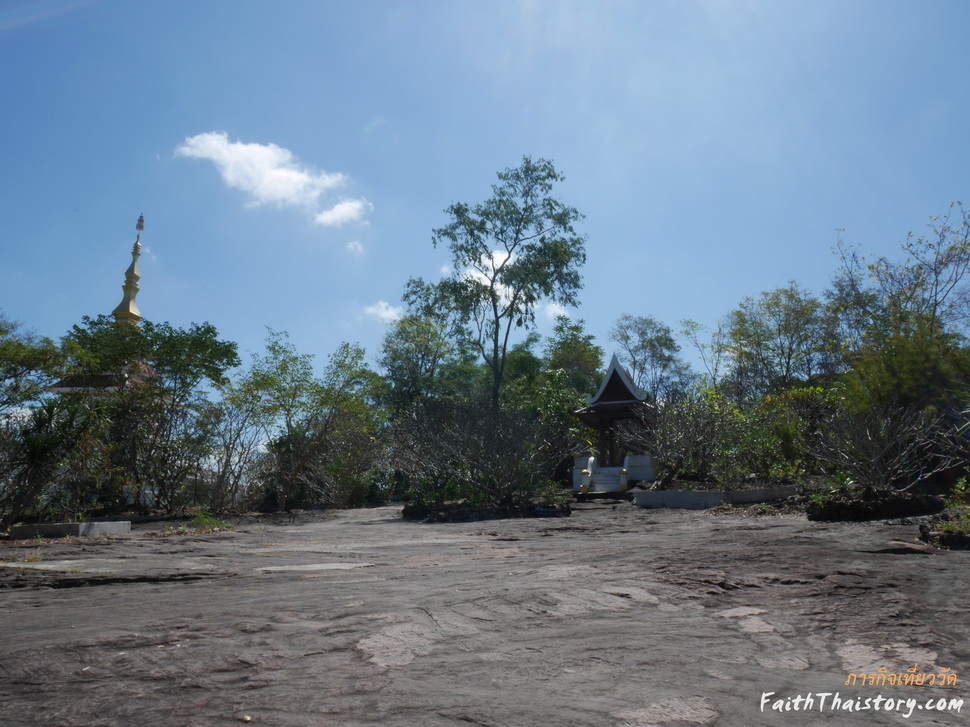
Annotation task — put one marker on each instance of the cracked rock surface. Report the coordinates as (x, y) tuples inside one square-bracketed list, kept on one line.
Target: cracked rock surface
[(614, 616)]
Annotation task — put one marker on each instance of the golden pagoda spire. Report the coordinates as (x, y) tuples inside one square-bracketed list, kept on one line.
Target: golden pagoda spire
[(127, 312)]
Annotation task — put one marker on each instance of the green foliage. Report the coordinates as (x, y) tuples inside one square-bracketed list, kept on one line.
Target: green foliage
[(959, 496), (179, 360), (324, 447), (207, 522), (867, 386), (708, 437), (146, 384), (28, 364), (522, 365), (571, 349), (551, 399), (929, 286), (822, 499), (854, 308), (903, 322), (412, 355), (282, 379), (954, 525), (778, 340), (38, 455), (916, 369)]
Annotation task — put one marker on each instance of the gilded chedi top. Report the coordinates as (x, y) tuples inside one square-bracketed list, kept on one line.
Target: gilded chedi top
[(127, 312)]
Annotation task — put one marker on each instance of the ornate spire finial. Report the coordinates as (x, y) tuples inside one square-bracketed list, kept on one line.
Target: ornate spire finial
[(127, 312)]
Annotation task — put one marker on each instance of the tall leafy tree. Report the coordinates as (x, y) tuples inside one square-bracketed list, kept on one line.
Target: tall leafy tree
[(348, 424), (284, 381), (778, 340), (509, 253), (854, 307), (284, 388)]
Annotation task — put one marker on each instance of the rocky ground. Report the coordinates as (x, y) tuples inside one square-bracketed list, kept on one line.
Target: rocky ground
[(614, 616)]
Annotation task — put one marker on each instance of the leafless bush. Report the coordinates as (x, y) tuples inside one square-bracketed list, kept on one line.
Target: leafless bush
[(688, 436), (237, 432), (491, 456), (886, 449)]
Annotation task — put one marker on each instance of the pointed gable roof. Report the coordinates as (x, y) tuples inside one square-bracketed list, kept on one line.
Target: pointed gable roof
[(617, 387), (618, 398)]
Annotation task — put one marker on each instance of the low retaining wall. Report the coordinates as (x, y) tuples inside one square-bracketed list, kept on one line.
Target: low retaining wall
[(702, 500), (62, 530)]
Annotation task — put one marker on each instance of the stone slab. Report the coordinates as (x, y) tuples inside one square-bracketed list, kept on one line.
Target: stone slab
[(313, 566)]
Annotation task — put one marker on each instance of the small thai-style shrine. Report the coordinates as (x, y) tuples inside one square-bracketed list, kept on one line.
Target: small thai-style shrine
[(613, 467)]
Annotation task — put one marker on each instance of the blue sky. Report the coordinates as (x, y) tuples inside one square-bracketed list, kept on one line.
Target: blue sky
[(292, 158)]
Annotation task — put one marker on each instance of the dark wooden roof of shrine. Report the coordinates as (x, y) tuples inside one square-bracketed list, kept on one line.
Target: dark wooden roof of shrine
[(137, 373), (618, 397)]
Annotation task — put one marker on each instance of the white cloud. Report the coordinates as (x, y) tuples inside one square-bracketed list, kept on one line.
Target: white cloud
[(272, 175), (553, 310), (384, 311), (343, 212), (355, 248)]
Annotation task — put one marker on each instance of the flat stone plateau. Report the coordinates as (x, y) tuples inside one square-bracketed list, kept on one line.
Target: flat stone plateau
[(615, 616)]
